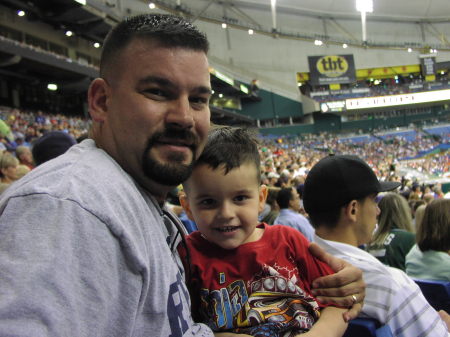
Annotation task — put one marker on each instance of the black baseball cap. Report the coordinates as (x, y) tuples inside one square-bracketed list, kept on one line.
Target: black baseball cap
[(336, 180)]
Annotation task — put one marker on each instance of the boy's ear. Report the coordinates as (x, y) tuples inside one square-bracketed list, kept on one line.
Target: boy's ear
[(98, 94), (263, 190), (185, 204)]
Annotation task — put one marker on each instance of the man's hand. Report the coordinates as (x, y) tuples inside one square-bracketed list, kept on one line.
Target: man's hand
[(446, 318), (346, 288)]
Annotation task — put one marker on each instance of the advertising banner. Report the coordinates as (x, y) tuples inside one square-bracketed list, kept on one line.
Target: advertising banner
[(331, 69)]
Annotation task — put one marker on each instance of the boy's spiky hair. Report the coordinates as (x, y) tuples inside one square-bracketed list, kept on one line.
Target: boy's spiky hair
[(231, 147)]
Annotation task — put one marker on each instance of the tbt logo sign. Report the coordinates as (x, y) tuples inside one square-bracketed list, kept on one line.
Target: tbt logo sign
[(332, 66), (329, 69)]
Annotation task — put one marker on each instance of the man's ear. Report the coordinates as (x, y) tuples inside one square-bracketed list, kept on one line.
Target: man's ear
[(185, 204), (98, 94), (351, 210), (263, 190)]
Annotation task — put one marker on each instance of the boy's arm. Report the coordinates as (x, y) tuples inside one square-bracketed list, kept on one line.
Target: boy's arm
[(229, 334), (346, 288), (330, 324)]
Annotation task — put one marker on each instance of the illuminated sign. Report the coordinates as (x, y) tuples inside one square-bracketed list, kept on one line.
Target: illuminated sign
[(224, 78), (332, 106), (393, 100), (243, 88), (331, 69), (332, 66)]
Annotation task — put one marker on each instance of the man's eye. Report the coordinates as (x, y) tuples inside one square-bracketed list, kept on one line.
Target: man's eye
[(199, 100), (155, 93)]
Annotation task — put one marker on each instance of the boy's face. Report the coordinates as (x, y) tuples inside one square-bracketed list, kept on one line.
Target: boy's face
[(225, 207), (367, 218)]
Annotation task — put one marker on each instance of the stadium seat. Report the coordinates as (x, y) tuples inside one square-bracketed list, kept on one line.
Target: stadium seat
[(367, 327), (437, 293)]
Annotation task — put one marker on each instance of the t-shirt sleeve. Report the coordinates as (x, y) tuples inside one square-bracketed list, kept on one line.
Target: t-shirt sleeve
[(309, 266), (59, 269)]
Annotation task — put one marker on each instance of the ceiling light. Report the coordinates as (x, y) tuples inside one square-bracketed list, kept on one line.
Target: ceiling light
[(69, 33), (97, 45), (250, 32), (224, 25), (220, 95), (52, 87), (318, 42), (20, 13), (83, 2), (151, 5), (344, 45), (212, 92), (365, 6)]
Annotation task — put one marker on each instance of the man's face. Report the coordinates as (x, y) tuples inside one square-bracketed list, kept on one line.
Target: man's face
[(368, 212), (158, 114), (294, 203)]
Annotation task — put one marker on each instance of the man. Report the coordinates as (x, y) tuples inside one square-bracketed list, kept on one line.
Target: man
[(340, 198), (289, 202), (86, 247)]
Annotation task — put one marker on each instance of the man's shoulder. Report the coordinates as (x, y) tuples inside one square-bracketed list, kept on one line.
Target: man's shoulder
[(84, 174)]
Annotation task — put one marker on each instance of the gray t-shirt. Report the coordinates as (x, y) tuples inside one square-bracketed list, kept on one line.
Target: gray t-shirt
[(83, 252)]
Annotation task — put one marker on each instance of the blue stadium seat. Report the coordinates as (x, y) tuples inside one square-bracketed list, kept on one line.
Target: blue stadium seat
[(367, 327), (437, 293)]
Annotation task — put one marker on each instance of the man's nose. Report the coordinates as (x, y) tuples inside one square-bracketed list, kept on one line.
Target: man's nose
[(180, 113)]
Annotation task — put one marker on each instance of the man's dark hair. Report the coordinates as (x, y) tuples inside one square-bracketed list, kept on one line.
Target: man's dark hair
[(283, 197), (231, 147), (327, 218), (167, 30)]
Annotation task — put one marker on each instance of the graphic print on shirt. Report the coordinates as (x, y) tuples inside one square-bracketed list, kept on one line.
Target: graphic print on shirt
[(176, 311), (270, 304)]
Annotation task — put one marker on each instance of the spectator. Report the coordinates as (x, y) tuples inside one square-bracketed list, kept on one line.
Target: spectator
[(289, 202), (240, 266), (84, 246), (429, 259), (340, 194), (8, 168), (51, 145), (393, 237), (271, 209), (23, 153)]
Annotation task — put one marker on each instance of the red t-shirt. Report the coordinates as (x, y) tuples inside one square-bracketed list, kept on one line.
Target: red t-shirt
[(260, 288)]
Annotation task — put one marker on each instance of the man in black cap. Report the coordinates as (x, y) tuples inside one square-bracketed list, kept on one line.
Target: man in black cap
[(340, 199)]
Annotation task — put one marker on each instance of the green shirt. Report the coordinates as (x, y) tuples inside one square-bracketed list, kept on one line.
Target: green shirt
[(397, 244)]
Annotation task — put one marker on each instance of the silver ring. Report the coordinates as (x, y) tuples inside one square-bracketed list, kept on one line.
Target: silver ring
[(354, 299)]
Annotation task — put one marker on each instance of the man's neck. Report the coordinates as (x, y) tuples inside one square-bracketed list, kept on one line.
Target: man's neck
[(342, 234)]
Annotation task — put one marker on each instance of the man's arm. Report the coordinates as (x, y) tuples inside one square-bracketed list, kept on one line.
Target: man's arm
[(346, 288)]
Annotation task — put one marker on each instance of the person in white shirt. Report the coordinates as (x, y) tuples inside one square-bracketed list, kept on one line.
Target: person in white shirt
[(339, 197)]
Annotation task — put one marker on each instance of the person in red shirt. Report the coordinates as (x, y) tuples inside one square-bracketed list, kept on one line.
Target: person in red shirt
[(247, 277)]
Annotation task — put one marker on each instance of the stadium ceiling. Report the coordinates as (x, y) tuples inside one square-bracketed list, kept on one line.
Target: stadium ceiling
[(331, 17), (92, 22)]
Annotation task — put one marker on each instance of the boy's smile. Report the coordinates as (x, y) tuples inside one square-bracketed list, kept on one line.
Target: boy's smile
[(225, 207)]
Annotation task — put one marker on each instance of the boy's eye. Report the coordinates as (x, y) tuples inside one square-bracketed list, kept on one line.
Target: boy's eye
[(241, 198), (207, 202)]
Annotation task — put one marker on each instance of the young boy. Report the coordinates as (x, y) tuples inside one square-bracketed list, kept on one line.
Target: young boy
[(245, 277)]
